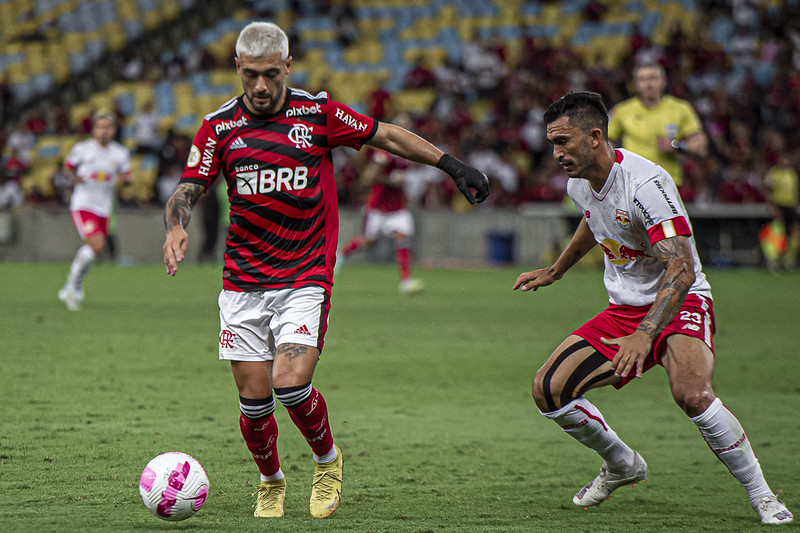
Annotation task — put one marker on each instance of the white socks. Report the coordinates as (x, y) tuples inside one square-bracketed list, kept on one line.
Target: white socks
[(81, 264), (726, 438), (720, 429), (327, 458), (582, 421), (274, 477)]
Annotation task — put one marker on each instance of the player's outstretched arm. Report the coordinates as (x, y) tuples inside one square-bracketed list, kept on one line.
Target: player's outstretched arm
[(176, 216), (580, 244), (401, 142)]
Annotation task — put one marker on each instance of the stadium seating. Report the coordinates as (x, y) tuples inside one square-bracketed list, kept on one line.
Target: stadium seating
[(392, 34), (45, 42)]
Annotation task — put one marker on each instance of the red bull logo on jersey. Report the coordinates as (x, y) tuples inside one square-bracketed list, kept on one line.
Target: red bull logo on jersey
[(620, 254), (622, 218), (271, 180)]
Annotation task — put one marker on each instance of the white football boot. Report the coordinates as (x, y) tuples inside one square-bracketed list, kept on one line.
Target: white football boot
[(71, 297), (411, 286), (600, 488), (773, 511)]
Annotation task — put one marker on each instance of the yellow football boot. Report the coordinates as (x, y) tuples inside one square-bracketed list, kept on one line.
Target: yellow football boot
[(326, 490), (271, 495)]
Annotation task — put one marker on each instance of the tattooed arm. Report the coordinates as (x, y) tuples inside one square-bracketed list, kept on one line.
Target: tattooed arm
[(176, 217), (675, 256)]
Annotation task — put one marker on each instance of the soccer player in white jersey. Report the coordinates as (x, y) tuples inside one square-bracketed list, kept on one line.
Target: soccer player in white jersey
[(96, 166), (660, 309)]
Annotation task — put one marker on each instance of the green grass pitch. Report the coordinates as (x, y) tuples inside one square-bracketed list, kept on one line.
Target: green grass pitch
[(429, 399)]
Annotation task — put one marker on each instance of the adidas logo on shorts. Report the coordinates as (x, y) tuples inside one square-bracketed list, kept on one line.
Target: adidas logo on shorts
[(302, 330)]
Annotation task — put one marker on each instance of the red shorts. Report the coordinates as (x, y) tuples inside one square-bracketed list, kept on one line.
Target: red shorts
[(695, 319), (88, 224)]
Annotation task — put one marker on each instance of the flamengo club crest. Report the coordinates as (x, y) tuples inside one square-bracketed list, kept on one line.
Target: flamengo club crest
[(226, 338), (300, 135), (623, 219)]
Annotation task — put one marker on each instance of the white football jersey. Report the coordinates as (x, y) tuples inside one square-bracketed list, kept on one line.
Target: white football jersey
[(99, 169), (638, 206)]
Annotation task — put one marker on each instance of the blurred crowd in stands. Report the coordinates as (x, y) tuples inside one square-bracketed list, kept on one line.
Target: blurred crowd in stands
[(746, 93)]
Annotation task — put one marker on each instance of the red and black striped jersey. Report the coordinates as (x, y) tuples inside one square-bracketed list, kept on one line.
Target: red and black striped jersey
[(284, 220)]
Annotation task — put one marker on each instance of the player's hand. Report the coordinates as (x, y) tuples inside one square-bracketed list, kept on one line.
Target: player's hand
[(175, 248), (466, 178), (633, 350), (536, 278)]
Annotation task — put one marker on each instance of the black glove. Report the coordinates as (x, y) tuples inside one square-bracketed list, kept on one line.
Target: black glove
[(465, 177)]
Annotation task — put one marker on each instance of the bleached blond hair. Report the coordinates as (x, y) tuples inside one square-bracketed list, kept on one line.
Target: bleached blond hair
[(106, 114), (260, 39)]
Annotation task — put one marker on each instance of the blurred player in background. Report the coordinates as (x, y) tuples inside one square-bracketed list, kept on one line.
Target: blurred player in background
[(783, 192), (656, 126), (96, 166), (273, 147), (660, 309), (386, 211)]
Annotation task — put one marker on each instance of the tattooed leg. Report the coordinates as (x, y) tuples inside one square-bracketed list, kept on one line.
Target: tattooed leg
[(294, 364)]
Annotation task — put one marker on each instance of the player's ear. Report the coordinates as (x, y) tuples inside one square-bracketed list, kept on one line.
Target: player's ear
[(596, 137), (288, 64)]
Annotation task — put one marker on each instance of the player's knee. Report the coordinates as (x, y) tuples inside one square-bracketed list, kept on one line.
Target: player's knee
[(97, 245), (693, 401), (287, 378), (541, 393)]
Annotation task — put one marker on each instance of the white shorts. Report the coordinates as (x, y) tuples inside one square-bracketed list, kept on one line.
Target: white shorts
[(379, 223), (253, 324)]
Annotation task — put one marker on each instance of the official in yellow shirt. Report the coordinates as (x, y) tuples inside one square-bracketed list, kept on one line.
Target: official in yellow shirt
[(783, 192), (657, 126)]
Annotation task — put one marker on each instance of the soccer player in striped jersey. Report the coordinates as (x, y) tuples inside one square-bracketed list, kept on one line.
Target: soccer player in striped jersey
[(96, 167), (660, 309), (272, 145)]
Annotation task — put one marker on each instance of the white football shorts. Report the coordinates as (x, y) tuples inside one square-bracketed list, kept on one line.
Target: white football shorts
[(385, 223), (253, 324)]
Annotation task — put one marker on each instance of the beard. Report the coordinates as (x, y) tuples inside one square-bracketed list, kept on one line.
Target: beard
[(263, 103)]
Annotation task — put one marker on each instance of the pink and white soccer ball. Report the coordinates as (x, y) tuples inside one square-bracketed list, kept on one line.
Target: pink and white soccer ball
[(173, 486)]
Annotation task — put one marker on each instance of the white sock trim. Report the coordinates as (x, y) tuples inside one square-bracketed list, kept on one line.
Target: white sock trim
[(558, 412), (710, 412), (327, 458), (274, 477)]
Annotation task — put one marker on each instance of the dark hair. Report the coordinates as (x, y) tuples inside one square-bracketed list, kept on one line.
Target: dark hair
[(585, 110)]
